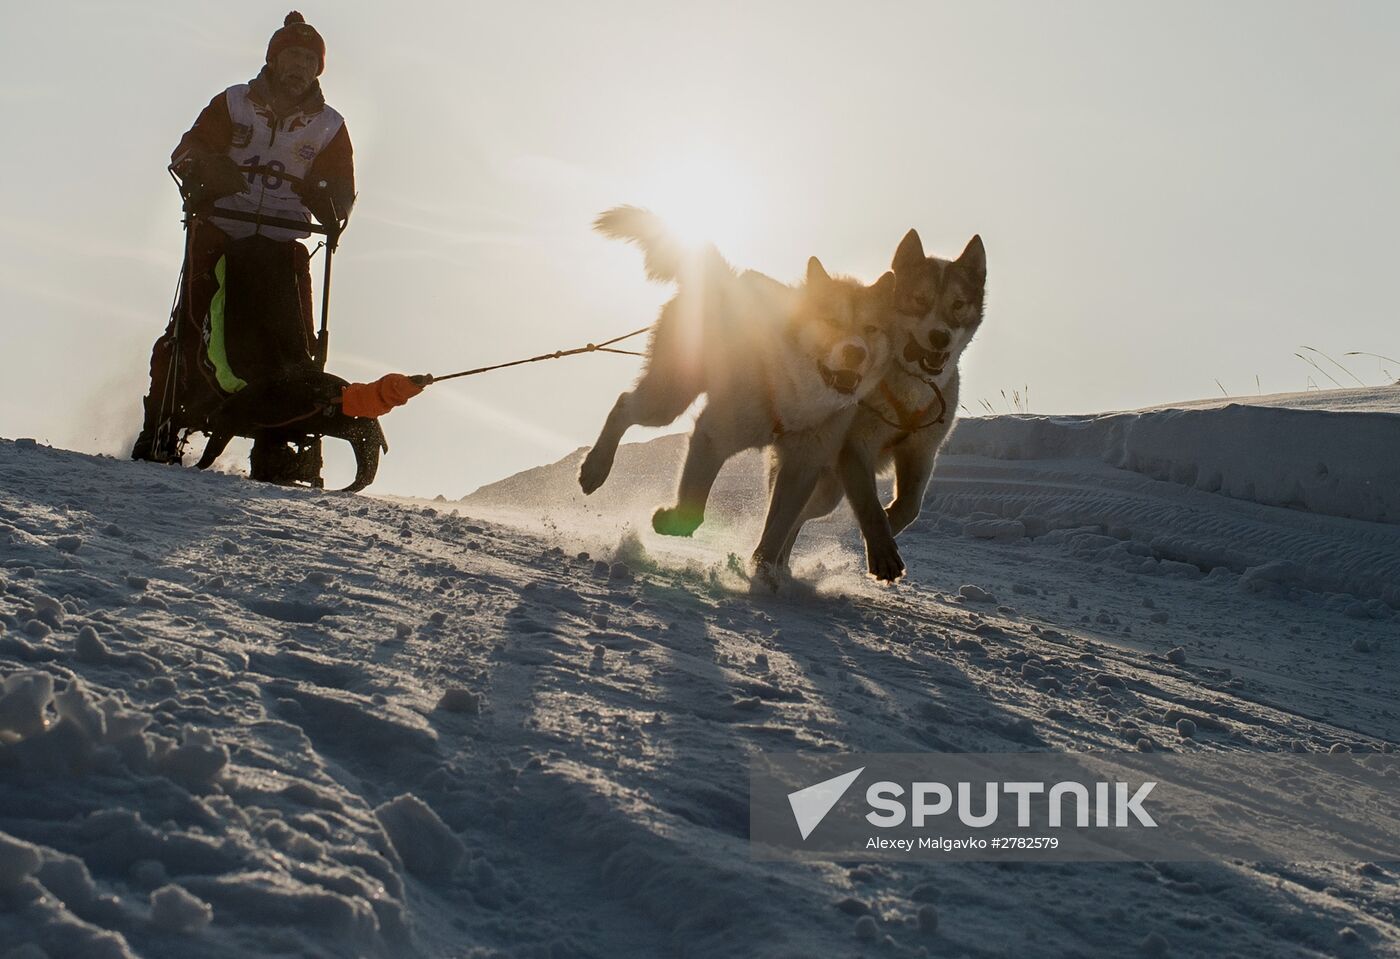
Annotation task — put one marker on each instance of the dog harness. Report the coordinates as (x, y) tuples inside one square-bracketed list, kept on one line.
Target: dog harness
[(907, 421), (779, 428)]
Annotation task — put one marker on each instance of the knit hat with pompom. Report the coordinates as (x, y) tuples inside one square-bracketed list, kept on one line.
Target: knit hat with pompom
[(296, 32)]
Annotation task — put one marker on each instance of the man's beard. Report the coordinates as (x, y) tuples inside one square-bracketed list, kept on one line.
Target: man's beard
[(291, 89)]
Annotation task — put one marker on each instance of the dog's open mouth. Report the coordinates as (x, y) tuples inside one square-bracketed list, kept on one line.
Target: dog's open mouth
[(933, 363), (844, 382), (930, 361)]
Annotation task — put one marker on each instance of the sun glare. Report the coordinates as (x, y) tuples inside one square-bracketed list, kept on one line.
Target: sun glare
[(703, 197)]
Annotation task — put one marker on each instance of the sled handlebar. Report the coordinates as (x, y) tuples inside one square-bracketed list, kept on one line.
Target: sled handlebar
[(264, 219), (206, 208)]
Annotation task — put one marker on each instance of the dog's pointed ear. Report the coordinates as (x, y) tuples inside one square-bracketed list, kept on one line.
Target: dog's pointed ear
[(883, 288), (816, 273), (973, 261), (910, 252)]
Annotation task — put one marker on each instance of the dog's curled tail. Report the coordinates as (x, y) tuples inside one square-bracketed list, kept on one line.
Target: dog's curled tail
[(666, 255)]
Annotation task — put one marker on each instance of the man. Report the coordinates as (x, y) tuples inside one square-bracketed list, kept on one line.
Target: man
[(243, 312)]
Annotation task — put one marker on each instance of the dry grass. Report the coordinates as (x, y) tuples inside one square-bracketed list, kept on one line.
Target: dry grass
[(1018, 401), (1323, 365)]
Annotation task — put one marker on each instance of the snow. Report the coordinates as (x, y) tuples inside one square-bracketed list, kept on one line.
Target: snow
[(425, 845), (458, 700), (18, 861), (175, 910), (1365, 399), (1318, 461), (240, 720)]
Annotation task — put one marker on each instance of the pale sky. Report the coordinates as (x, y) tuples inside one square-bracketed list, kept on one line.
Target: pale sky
[(1170, 194)]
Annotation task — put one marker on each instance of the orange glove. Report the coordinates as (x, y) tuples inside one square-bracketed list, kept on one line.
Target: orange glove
[(375, 399)]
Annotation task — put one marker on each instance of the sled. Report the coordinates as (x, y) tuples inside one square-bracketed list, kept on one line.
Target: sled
[(294, 411), (289, 411)]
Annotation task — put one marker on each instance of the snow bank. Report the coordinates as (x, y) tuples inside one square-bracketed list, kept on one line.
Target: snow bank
[(1356, 399), (1321, 461)]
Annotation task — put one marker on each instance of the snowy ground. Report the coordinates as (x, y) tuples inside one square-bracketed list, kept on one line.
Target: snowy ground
[(245, 721)]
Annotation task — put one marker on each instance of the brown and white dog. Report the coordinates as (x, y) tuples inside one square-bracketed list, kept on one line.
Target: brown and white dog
[(903, 422), (783, 365)]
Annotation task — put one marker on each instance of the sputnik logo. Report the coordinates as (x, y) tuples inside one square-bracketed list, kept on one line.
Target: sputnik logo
[(810, 805)]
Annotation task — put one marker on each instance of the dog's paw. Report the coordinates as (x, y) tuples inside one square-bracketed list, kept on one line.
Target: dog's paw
[(594, 471), (676, 521), (767, 575), (884, 562)]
